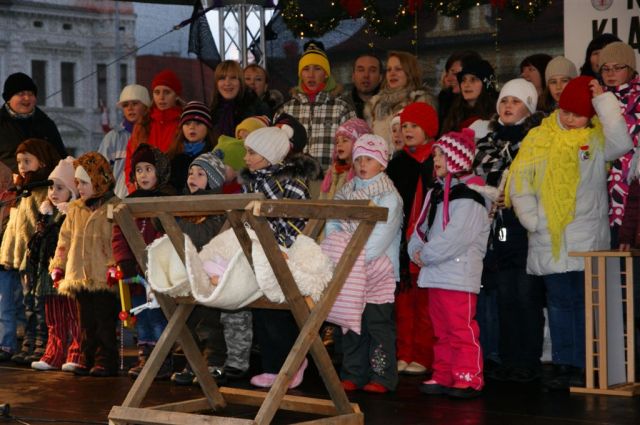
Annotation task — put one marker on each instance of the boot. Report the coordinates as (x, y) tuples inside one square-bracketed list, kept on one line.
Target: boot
[(143, 354), (166, 369)]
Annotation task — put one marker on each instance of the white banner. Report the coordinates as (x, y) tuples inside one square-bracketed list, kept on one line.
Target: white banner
[(586, 19)]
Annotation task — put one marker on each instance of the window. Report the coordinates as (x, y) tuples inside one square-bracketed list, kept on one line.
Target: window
[(37, 24), (123, 75), (101, 74), (38, 74), (67, 75), (66, 27)]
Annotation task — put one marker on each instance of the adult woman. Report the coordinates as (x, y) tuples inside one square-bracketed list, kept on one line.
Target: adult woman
[(257, 79), (449, 80)]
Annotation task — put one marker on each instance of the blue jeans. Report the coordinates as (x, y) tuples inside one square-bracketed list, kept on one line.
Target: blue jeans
[(10, 302), (150, 323), (565, 304)]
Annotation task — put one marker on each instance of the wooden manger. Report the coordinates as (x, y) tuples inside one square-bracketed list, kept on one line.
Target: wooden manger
[(253, 210)]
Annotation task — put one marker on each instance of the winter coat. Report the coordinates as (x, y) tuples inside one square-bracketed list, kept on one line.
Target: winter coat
[(114, 148), (201, 229), (20, 228), (287, 180), (382, 107), (84, 250), (14, 131), (589, 230), (629, 232), (356, 102), (248, 105), (452, 255), (321, 119), (42, 247)]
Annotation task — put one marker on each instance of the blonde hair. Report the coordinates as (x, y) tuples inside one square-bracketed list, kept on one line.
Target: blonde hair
[(410, 66), (222, 70)]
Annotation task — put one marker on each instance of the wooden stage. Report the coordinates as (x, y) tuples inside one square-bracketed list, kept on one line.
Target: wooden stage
[(58, 395)]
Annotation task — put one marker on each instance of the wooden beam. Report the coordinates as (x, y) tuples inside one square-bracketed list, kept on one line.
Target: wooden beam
[(188, 205), (338, 210), (119, 414), (349, 419), (236, 219), (131, 233), (174, 232)]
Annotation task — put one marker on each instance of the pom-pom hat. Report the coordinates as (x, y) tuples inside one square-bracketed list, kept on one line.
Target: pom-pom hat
[(314, 54), (459, 148), (272, 143)]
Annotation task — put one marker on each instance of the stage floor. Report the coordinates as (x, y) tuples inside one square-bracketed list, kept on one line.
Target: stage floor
[(43, 397)]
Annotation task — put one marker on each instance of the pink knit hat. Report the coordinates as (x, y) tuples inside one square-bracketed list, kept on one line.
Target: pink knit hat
[(372, 146), (459, 148), (64, 173), (352, 129)]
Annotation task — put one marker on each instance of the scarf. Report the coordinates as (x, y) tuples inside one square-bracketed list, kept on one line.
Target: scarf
[(548, 163), (16, 115), (192, 148), (419, 153), (496, 152), (379, 184), (128, 125), (389, 101), (311, 94), (336, 169)]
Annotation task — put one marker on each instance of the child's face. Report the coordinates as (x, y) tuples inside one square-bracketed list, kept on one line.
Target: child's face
[(242, 134), (229, 174), (58, 192), (194, 131), (532, 75), (85, 189), (312, 76), (367, 167), (439, 162), (344, 147), (197, 179), (572, 121), (146, 178), (412, 134), (255, 161), (556, 84), (164, 97), (255, 78), (396, 136), (229, 86), (27, 162), (511, 110), (615, 74), (470, 87), (133, 110)]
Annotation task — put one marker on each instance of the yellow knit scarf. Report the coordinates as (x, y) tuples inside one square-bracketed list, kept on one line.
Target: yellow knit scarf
[(548, 164)]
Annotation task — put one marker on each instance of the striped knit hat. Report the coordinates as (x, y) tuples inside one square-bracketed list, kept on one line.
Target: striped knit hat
[(459, 148), (196, 111), (314, 54)]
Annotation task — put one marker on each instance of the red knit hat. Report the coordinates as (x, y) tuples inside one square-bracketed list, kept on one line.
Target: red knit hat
[(168, 78), (459, 148), (422, 115), (576, 97)]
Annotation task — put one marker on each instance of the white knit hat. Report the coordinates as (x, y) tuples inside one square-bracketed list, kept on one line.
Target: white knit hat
[(272, 143), (135, 92), (65, 173), (523, 90)]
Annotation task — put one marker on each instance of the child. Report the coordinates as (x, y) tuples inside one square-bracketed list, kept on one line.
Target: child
[(134, 102), (517, 339), (194, 137), (207, 176), (618, 70), (369, 357), (61, 312), (150, 172), (559, 72), (276, 330), (251, 124), (396, 133), (81, 261), (411, 171), (231, 151), (340, 171), (448, 243), (557, 187), (36, 159), (159, 125), (477, 97)]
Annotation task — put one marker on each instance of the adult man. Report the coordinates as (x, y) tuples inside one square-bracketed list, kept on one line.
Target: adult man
[(21, 119), (366, 78)]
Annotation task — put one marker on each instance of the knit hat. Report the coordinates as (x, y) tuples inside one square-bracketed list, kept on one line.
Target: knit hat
[(196, 111), (459, 148), (396, 119), (213, 167), (252, 123), (618, 52), (423, 115), (231, 151), (135, 92), (560, 66), (576, 97), (523, 90), (299, 138), (481, 69), (65, 173), (373, 146), (354, 128), (154, 156), (314, 54), (41, 149), (98, 170), (15, 83), (168, 78), (539, 61), (272, 143)]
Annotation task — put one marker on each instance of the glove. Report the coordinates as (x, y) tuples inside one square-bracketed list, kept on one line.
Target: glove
[(112, 276), (56, 275)]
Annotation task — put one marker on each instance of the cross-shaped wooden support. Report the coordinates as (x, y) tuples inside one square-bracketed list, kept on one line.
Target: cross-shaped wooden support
[(255, 211)]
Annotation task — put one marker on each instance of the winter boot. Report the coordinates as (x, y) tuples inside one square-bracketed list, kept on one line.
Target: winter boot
[(143, 354)]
